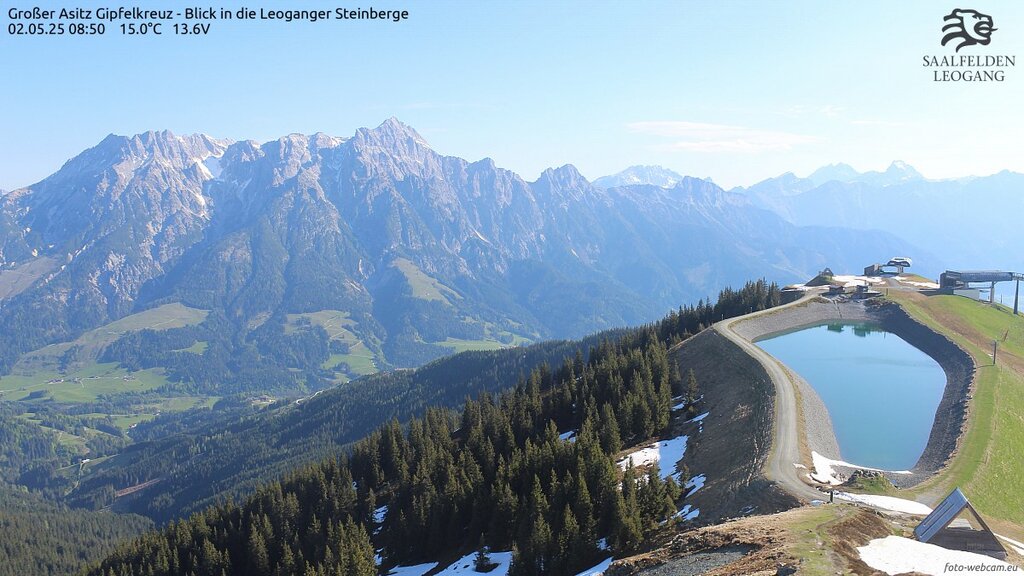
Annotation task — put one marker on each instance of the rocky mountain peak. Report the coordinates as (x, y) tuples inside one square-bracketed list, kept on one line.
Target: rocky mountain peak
[(903, 171), (566, 176), (703, 192), (839, 172), (391, 132), (394, 150), (125, 154)]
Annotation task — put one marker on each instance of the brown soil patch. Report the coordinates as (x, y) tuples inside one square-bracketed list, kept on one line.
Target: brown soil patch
[(775, 541), (857, 530)]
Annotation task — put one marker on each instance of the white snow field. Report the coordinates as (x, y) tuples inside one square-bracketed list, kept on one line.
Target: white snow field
[(667, 453), (897, 555), (417, 570), (462, 566), (887, 503), (823, 469)]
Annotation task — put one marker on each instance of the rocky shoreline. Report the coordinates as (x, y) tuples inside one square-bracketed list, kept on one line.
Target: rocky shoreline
[(950, 417)]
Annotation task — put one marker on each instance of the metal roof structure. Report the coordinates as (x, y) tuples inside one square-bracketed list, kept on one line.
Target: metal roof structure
[(981, 275), (936, 529), (941, 516)]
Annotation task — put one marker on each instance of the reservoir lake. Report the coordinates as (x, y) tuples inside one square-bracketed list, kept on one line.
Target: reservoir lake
[(881, 392)]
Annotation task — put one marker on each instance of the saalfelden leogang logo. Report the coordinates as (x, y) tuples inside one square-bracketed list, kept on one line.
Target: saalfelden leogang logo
[(970, 30)]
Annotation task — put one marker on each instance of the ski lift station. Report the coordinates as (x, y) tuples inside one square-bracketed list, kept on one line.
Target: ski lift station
[(959, 282)]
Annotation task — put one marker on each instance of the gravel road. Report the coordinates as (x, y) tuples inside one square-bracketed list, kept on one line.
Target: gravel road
[(786, 442)]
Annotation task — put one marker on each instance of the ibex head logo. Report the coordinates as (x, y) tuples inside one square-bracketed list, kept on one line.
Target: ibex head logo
[(969, 26)]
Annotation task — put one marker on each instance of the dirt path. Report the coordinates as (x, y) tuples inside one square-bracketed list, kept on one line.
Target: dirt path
[(786, 440)]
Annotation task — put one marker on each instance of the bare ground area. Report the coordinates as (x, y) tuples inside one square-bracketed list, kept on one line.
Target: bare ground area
[(807, 540)]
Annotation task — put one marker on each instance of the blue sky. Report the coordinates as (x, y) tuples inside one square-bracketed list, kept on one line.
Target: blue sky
[(737, 91)]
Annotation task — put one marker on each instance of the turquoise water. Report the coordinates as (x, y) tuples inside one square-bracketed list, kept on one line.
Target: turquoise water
[(881, 392)]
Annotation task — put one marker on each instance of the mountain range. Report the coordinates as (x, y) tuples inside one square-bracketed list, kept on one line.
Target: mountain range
[(414, 248), (960, 223), (966, 223)]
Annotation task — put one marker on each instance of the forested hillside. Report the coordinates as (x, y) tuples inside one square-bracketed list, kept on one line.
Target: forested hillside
[(40, 538), (500, 474), (201, 464)]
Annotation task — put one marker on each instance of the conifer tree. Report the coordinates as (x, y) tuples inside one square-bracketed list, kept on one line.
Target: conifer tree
[(482, 561), (608, 429), (258, 558), (691, 394)]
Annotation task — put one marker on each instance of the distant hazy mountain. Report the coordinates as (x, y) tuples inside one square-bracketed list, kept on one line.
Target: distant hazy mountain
[(653, 175), (412, 246), (896, 173), (839, 172), (966, 223)]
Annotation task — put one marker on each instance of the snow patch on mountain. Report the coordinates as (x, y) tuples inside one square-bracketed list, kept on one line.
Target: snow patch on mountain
[(634, 175)]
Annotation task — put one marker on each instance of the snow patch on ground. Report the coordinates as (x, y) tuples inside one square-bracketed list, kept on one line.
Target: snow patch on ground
[(461, 566), (852, 279), (931, 285), (1017, 546), (823, 469), (695, 483), (464, 565), (212, 165), (897, 555), (379, 514), (569, 436), (481, 236), (698, 418), (597, 570), (417, 570), (887, 503), (687, 513), (667, 453)]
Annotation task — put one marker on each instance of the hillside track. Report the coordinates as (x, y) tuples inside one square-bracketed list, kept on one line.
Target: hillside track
[(785, 454)]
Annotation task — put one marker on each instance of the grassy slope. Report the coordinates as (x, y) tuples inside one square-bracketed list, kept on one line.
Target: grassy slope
[(85, 379), (338, 325), (424, 286), (14, 281), (40, 369), (811, 541), (989, 465)]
